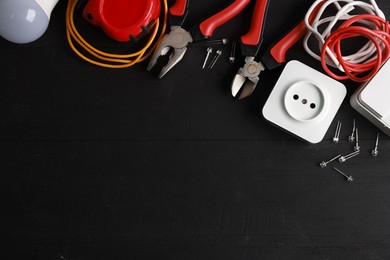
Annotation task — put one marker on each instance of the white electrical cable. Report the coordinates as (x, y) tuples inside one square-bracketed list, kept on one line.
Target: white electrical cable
[(329, 24)]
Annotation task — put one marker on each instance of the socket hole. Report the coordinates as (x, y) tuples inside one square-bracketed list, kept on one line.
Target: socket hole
[(312, 105), (295, 97), (304, 101)]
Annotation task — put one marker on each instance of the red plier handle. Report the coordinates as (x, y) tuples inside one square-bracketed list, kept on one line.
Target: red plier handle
[(206, 28), (276, 55), (178, 12), (179, 8), (251, 42)]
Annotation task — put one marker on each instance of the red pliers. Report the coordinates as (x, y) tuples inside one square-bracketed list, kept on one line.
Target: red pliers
[(247, 77), (178, 38)]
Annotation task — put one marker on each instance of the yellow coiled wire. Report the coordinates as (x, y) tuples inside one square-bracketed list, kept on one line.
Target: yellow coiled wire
[(110, 60)]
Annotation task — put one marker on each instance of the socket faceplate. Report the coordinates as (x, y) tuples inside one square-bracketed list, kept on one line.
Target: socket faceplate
[(304, 102)]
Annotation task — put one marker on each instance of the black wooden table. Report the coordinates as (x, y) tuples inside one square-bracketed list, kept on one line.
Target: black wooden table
[(117, 164)]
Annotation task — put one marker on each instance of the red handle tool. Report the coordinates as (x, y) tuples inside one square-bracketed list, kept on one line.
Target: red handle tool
[(255, 31), (179, 8), (178, 12), (276, 55), (251, 42), (206, 28)]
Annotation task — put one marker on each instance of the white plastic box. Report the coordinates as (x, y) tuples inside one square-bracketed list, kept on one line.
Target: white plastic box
[(372, 99)]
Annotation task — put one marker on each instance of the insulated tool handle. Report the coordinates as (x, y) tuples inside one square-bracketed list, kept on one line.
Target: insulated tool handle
[(178, 12), (279, 50), (277, 54), (251, 42), (208, 26), (179, 8)]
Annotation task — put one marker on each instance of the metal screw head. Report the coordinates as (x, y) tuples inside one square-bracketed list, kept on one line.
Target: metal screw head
[(375, 151), (336, 137), (232, 57), (323, 164), (216, 42), (349, 178), (342, 159), (217, 54), (209, 50), (351, 138)]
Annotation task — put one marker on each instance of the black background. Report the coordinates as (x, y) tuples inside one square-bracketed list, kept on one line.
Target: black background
[(116, 164)]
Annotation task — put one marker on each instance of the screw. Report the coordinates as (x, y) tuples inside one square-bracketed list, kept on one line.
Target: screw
[(336, 137), (232, 57), (323, 164), (349, 178), (357, 147), (209, 50), (216, 42), (218, 53), (375, 151), (351, 138), (348, 156)]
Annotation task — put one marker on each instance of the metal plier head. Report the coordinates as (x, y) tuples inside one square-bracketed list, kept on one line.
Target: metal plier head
[(247, 78), (177, 41)]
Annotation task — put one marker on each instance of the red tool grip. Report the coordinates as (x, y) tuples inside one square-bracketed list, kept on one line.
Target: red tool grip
[(252, 38), (208, 26), (179, 8), (279, 50)]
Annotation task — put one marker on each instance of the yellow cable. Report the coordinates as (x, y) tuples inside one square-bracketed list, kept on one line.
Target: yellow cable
[(110, 60)]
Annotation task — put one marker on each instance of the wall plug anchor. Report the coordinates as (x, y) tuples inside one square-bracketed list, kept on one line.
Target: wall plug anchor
[(323, 164), (357, 147), (375, 152), (351, 138), (336, 137), (349, 178), (348, 156)]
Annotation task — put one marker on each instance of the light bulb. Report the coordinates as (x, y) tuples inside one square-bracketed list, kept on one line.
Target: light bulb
[(24, 21)]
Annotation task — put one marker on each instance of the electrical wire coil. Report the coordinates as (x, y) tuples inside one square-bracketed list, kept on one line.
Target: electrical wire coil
[(371, 25), (110, 60)]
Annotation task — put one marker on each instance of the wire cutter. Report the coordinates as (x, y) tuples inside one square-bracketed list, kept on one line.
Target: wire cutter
[(247, 77), (178, 38)]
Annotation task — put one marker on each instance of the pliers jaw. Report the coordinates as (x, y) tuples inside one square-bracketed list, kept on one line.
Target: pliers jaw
[(177, 40), (247, 78)]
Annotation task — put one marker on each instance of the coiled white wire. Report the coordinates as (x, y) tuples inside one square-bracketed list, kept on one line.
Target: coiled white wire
[(329, 24)]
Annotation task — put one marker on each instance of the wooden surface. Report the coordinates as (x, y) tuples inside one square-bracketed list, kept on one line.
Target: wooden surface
[(117, 164)]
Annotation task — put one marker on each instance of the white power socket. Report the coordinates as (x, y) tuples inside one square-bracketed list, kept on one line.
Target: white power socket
[(304, 102)]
